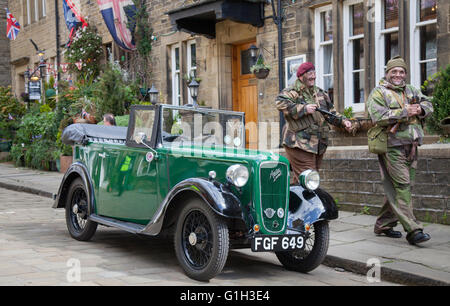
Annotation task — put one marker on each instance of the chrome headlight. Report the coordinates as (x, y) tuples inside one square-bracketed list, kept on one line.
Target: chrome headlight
[(310, 179), (237, 175)]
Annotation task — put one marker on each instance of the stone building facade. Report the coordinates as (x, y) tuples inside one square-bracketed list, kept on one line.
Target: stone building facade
[(42, 22), (349, 41), (5, 74)]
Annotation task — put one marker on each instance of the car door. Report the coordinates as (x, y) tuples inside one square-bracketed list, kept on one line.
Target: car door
[(131, 191)]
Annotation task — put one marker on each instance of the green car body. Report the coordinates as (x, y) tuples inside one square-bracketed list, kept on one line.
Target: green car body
[(142, 185)]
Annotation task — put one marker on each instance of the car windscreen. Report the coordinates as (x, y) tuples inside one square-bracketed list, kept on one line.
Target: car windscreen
[(183, 126), (141, 122)]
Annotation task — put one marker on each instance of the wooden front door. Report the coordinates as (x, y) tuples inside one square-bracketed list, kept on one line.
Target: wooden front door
[(245, 97)]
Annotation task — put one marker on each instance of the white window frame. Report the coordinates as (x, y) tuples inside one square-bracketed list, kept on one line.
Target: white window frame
[(28, 12), (44, 8), (380, 32), (415, 25), (348, 59), (36, 10), (190, 68), (319, 46), (176, 75)]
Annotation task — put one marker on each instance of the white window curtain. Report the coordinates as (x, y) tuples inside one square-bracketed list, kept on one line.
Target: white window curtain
[(386, 34), (324, 48), (354, 20), (176, 70), (423, 33)]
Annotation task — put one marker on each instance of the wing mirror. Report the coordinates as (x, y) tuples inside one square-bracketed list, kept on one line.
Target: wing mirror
[(140, 138)]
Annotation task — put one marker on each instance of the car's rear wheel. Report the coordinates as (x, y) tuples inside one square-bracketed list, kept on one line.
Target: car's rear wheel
[(201, 241), (316, 248), (77, 212)]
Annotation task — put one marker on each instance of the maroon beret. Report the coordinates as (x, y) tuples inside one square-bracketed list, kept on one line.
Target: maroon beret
[(305, 67)]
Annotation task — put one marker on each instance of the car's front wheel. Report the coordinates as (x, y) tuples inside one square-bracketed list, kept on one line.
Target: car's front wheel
[(316, 248), (201, 241), (78, 224)]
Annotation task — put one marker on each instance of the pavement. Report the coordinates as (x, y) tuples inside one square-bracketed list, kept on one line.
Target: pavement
[(353, 245)]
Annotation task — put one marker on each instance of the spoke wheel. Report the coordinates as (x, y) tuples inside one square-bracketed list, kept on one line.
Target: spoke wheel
[(316, 247), (201, 241), (77, 212)]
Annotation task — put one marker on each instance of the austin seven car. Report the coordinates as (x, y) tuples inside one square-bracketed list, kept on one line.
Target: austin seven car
[(185, 171)]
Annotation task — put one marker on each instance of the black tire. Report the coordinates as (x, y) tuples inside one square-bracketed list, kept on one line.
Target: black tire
[(201, 241), (78, 224), (316, 248)]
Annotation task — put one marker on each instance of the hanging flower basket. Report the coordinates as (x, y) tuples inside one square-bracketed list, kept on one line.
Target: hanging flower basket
[(261, 73)]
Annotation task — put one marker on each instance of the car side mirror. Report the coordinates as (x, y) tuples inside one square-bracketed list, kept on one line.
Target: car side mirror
[(140, 138)]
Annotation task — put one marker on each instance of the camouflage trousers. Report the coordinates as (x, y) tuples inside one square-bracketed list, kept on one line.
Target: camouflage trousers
[(397, 174)]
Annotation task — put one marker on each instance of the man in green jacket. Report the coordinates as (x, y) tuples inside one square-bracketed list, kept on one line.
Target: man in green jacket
[(401, 109), (305, 134)]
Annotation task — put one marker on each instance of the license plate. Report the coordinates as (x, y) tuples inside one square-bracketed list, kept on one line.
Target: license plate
[(277, 243)]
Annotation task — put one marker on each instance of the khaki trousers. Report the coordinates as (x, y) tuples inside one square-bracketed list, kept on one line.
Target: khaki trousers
[(397, 174), (301, 160)]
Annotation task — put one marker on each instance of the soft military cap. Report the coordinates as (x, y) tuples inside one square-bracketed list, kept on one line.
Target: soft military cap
[(396, 62)]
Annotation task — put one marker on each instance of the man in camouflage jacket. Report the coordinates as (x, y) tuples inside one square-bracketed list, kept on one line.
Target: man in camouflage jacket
[(305, 134), (401, 109)]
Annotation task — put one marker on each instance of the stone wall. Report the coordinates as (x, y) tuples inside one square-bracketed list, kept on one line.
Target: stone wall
[(43, 33), (352, 176), (5, 72)]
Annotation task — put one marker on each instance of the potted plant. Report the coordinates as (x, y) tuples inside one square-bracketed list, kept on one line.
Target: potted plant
[(260, 69)]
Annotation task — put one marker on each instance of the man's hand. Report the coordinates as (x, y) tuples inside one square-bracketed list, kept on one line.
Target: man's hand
[(413, 110), (348, 125), (310, 108)]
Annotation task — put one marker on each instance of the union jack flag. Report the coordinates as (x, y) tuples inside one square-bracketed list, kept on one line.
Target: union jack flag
[(119, 16), (73, 18), (12, 26)]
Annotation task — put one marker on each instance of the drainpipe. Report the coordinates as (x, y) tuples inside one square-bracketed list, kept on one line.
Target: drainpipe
[(58, 55), (278, 22)]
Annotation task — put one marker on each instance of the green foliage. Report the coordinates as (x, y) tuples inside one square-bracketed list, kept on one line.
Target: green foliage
[(348, 112), (143, 32), (440, 101), (86, 49), (113, 93), (259, 65), (34, 145), (143, 36), (11, 111)]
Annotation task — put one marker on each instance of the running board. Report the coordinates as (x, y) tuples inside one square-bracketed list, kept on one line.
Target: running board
[(126, 226)]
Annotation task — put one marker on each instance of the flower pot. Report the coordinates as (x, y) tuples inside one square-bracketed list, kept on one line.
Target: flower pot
[(65, 162), (261, 73)]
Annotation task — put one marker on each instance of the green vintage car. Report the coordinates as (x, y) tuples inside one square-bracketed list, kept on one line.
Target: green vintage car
[(185, 172)]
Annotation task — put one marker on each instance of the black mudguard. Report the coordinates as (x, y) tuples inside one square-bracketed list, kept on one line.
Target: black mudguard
[(311, 206), (75, 170), (215, 194)]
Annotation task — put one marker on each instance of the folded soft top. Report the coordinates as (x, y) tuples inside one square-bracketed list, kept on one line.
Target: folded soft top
[(81, 132)]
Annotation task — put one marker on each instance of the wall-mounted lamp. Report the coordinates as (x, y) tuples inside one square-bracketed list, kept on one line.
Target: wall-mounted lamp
[(193, 90), (253, 51), (153, 93)]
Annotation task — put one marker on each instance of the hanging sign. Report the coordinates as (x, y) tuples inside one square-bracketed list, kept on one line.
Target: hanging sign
[(34, 90)]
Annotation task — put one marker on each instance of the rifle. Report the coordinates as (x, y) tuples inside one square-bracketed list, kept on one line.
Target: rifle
[(394, 128), (332, 116)]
